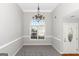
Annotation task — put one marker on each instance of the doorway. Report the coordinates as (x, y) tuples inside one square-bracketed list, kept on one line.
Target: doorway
[(70, 37)]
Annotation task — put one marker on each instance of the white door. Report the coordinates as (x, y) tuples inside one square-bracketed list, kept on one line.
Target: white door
[(70, 37)]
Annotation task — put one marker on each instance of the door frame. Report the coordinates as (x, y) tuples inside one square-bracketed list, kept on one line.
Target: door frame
[(76, 37)]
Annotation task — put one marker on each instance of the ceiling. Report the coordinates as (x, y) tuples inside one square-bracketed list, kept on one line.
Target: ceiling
[(32, 7)]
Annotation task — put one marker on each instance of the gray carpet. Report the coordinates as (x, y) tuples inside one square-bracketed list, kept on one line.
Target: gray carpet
[(37, 51)]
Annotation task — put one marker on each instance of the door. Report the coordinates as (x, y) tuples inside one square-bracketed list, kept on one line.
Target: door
[(70, 37)]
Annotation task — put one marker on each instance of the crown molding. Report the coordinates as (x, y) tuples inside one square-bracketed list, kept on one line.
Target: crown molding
[(36, 10)]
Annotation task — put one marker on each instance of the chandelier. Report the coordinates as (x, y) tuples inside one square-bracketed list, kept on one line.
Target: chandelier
[(38, 16)]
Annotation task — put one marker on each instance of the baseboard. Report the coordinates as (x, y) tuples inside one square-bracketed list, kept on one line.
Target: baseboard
[(57, 50), (58, 40), (17, 50), (11, 47)]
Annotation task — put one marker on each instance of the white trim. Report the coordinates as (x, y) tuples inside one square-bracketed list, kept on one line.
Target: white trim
[(36, 10), (58, 39), (17, 50), (3, 46), (45, 36), (58, 50), (37, 42)]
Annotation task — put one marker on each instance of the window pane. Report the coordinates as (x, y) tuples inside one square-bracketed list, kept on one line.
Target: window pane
[(33, 35), (41, 32), (34, 29), (37, 29)]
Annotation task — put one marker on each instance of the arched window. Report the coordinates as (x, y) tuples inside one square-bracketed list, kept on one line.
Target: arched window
[(38, 29)]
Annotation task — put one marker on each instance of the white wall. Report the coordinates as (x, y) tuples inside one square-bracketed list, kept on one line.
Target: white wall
[(57, 29), (27, 21), (11, 27)]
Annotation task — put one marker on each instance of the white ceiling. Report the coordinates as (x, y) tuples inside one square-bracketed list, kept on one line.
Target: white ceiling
[(32, 7)]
